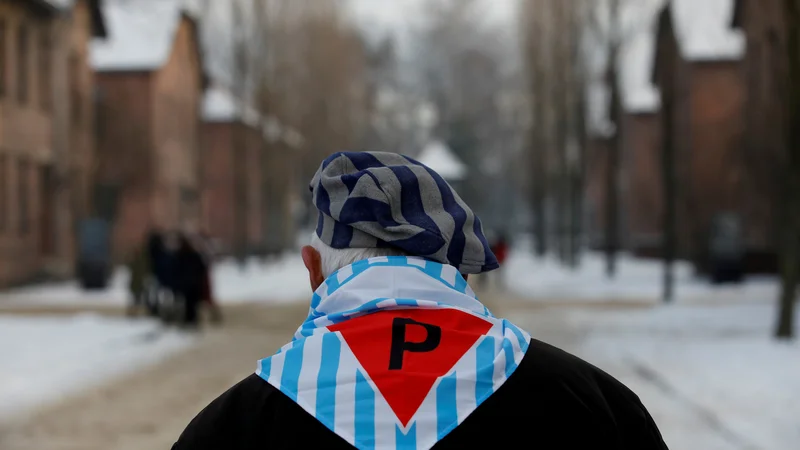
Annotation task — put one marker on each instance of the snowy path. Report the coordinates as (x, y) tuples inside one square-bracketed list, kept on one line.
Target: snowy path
[(44, 358), (279, 280), (148, 409), (709, 374)]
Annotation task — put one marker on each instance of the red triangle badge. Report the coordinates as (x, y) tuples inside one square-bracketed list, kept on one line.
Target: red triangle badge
[(405, 351)]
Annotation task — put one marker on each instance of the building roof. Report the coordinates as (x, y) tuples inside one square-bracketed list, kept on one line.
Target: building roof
[(95, 6), (140, 34), (703, 31), (738, 13), (639, 94), (220, 105), (637, 53), (438, 156)]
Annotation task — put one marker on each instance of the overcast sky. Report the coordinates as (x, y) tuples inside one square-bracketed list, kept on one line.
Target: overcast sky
[(400, 17)]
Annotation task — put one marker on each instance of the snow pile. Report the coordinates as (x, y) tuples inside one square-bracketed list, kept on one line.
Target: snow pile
[(43, 359), (704, 32), (711, 376), (636, 281), (637, 59), (439, 157), (140, 34), (283, 279), (220, 105)]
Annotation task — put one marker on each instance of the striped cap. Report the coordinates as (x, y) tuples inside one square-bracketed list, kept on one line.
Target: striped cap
[(376, 199)]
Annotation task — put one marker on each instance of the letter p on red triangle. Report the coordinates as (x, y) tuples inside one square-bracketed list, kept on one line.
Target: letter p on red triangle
[(405, 351)]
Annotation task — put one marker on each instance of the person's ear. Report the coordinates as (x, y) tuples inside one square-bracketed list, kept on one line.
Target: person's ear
[(313, 263)]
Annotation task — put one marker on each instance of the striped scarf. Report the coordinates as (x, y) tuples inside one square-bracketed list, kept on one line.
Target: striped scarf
[(395, 353)]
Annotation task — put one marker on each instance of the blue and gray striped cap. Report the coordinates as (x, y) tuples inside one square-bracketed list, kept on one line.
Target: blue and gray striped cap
[(376, 199)]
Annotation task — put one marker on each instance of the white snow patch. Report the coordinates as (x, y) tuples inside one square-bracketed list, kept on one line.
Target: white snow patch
[(281, 280), (637, 59), (43, 359), (220, 105), (439, 157), (140, 34), (703, 29), (637, 280), (713, 376)]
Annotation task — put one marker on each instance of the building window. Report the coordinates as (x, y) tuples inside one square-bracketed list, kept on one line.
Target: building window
[(3, 58), (22, 64), (45, 74), (23, 206)]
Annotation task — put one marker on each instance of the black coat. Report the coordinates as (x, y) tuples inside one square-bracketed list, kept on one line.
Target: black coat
[(190, 272), (552, 401)]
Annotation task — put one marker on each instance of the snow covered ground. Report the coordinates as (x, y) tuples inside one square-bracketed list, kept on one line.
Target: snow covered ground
[(282, 279), (712, 376), (637, 281), (43, 359)]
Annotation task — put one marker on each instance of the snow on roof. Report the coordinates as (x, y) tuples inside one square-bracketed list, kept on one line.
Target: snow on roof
[(140, 34), (637, 58), (703, 30), (441, 159), (61, 4), (220, 105)]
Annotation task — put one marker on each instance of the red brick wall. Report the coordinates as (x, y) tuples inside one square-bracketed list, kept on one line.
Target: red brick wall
[(254, 189), (26, 141), (763, 116), (717, 128), (220, 199), (218, 184), (595, 188), (176, 128), (643, 190), (124, 154)]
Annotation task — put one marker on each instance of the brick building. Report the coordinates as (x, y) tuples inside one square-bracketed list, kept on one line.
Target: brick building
[(762, 24), (45, 131), (640, 181), (251, 213), (149, 76), (698, 69), (233, 149)]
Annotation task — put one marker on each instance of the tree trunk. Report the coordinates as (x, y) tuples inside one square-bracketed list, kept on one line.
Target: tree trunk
[(790, 243), (240, 192), (539, 206), (790, 269), (613, 167), (670, 184)]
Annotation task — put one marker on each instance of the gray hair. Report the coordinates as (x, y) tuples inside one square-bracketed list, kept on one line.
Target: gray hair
[(334, 259)]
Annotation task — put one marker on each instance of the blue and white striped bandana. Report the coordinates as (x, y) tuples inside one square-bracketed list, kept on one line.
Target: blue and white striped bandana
[(395, 353)]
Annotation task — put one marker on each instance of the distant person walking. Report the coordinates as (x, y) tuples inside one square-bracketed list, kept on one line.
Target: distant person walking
[(205, 245), (500, 249), (190, 284), (139, 266)]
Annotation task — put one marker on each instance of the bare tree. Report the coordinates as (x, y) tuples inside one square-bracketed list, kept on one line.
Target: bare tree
[(461, 61), (789, 176), (535, 29), (553, 37)]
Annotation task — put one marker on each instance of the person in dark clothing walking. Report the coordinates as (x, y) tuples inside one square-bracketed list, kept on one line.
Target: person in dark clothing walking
[(398, 353), (191, 270)]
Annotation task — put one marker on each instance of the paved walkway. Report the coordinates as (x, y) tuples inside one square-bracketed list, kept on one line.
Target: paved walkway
[(149, 409)]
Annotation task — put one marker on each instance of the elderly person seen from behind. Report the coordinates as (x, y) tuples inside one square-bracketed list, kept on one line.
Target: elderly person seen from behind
[(397, 352)]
